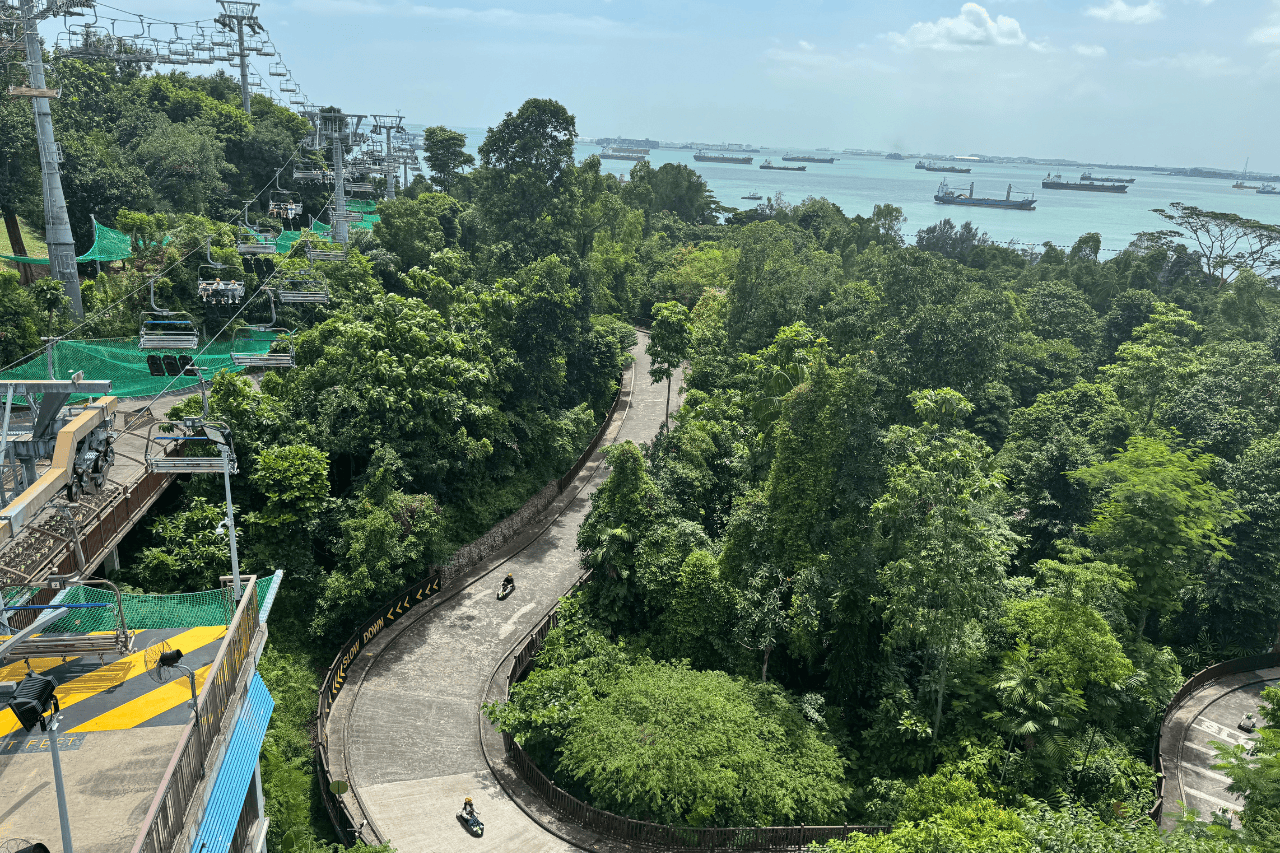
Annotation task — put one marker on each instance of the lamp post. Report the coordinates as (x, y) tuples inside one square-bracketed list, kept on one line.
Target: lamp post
[(29, 704)]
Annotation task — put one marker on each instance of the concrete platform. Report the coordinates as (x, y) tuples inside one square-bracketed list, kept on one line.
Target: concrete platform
[(404, 728)]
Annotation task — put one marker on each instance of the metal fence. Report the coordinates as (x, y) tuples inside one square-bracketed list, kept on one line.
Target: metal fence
[(631, 831), (1191, 685), (166, 818)]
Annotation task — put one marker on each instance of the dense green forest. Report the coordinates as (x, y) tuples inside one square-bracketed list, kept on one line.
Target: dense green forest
[(935, 534)]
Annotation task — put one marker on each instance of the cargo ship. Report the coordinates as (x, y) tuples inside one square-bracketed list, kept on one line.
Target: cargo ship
[(721, 158), (753, 197), (946, 195), (613, 154), (1088, 176), (1055, 182), (768, 164), (620, 150), (804, 158), (894, 155), (934, 167), (1268, 189)]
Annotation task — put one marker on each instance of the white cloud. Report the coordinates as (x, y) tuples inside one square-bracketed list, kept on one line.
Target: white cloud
[(805, 45), (1200, 63), (1268, 33), (1120, 12), (1093, 51), (972, 28)]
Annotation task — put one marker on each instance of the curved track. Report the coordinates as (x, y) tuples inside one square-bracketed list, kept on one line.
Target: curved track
[(404, 732), (1209, 715)]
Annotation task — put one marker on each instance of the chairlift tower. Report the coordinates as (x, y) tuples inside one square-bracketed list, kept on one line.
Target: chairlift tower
[(236, 17), (57, 225), (389, 124), (339, 129)]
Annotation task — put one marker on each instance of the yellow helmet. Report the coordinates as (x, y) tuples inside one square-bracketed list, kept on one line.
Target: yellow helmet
[(467, 800)]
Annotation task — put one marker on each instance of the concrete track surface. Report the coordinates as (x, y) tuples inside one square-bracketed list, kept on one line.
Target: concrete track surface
[(404, 729), (1209, 715)]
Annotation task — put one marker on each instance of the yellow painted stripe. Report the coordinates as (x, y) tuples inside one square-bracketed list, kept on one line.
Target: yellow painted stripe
[(15, 671), (115, 673), (146, 706)]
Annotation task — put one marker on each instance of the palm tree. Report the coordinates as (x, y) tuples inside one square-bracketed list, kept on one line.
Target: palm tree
[(1033, 708)]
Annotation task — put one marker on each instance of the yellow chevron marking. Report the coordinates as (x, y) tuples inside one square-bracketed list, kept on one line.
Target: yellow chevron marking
[(146, 706)]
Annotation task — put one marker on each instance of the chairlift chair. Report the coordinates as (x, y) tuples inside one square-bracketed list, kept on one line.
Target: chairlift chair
[(214, 434), (255, 246), (213, 289), (244, 337), (302, 291), (203, 54), (168, 330), (219, 292), (277, 69), (258, 244), (255, 81), (179, 46), (290, 88), (163, 329), (282, 205), (317, 254), (267, 48)]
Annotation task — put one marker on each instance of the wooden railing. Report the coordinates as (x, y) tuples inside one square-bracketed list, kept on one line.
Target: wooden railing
[(1191, 685), (630, 831), (166, 818)]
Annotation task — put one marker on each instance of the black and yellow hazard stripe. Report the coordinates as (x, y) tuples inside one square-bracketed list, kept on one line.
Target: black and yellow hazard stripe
[(121, 694)]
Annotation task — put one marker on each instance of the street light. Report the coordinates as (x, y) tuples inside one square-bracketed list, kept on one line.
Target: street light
[(30, 703)]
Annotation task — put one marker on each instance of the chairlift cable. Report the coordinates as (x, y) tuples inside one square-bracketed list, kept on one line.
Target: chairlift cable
[(153, 279)]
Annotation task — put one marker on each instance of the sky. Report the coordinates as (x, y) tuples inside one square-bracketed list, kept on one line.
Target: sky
[(1169, 82)]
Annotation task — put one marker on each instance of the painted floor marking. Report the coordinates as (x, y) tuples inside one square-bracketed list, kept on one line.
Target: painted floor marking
[(114, 674), (1210, 798), (146, 706), (15, 671)]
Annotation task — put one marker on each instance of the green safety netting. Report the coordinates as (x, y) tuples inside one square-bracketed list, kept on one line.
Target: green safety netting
[(361, 205), (108, 245), (286, 239), (141, 612), (120, 360)]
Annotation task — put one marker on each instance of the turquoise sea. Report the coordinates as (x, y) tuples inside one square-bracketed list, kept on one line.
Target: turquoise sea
[(858, 183)]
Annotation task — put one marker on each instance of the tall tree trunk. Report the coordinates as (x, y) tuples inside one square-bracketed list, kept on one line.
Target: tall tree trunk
[(1142, 622), (26, 272), (942, 688), (667, 416), (764, 669)]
